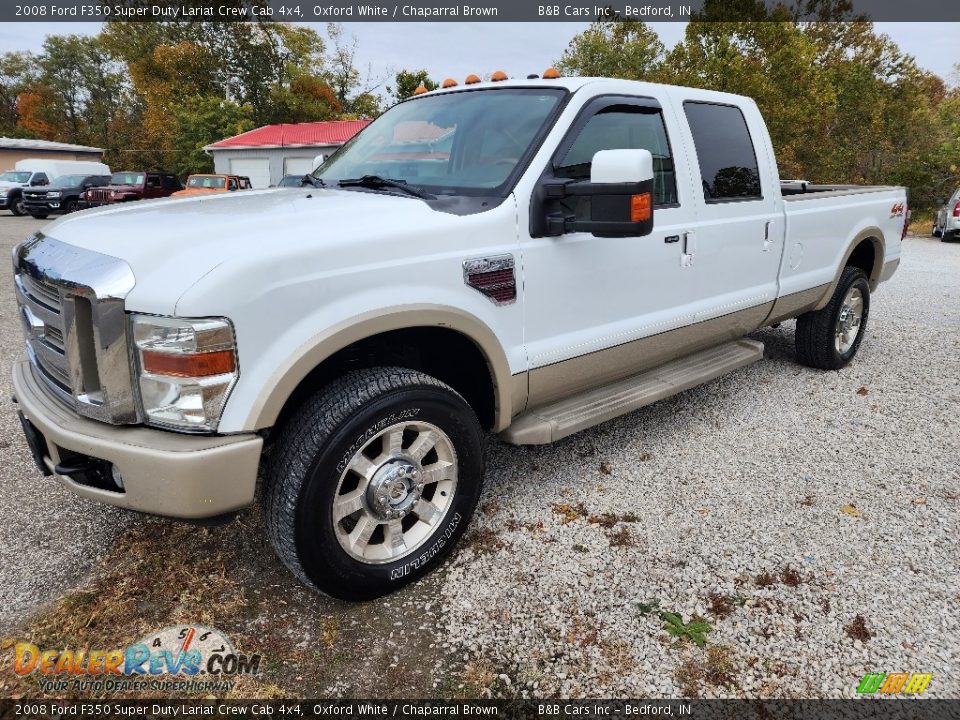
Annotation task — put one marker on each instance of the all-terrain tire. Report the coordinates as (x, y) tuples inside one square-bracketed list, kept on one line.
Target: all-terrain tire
[(305, 470), (816, 335)]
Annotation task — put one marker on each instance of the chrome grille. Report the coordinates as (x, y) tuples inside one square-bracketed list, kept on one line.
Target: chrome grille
[(98, 195), (72, 307), (42, 291)]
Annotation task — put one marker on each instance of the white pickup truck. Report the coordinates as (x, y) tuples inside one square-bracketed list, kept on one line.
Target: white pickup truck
[(527, 257)]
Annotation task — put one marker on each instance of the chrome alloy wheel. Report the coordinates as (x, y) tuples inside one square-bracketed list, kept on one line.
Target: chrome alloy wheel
[(394, 492), (849, 320)]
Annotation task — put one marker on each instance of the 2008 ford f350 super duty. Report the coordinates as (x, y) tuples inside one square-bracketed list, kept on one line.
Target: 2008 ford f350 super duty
[(527, 257)]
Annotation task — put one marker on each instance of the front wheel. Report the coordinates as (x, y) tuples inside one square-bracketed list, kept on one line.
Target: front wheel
[(17, 207), (373, 481), (829, 338)]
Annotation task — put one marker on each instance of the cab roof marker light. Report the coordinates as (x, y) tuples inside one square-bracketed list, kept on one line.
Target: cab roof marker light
[(449, 83), (498, 76), (551, 73), (471, 79), (421, 89)]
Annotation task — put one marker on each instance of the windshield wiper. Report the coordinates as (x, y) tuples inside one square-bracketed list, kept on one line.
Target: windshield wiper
[(309, 179), (375, 181)]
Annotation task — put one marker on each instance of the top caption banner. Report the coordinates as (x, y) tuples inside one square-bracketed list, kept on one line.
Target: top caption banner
[(451, 11)]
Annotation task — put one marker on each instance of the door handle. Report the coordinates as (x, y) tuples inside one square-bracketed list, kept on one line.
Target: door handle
[(689, 249), (767, 241)]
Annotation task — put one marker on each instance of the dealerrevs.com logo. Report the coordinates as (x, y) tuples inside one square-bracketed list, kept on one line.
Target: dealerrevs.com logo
[(184, 658)]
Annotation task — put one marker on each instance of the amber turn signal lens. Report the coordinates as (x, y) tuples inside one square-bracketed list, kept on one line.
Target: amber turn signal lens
[(472, 79), (420, 90), (449, 82), (551, 74), (183, 365), (641, 207), (498, 75)]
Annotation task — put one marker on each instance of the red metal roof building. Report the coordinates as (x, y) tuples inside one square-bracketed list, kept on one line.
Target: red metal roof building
[(314, 134), (268, 153)]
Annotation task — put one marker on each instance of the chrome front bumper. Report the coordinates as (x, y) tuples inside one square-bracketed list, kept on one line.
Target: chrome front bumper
[(164, 473)]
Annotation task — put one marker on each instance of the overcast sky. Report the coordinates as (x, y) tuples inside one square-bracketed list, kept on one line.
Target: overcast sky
[(457, 49)]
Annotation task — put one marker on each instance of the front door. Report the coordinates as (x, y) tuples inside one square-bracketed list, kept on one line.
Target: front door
[(598, 309)]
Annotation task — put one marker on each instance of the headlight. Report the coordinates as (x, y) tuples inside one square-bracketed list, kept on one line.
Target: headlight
[(52, 194), (187, 369)]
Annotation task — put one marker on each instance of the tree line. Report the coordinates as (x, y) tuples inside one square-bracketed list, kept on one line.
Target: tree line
[(843, 103)]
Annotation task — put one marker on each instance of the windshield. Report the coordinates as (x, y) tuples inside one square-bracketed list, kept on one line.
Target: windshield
[(207, 181), (456, 143), (69, 181), (126, 178), (17, 177)]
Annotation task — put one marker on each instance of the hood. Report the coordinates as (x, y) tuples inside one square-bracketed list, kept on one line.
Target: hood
[(125, 188), (171, 243), (50, 188), (6, 184)]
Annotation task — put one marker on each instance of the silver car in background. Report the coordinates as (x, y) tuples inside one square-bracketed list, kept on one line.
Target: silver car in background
[(946, 225)]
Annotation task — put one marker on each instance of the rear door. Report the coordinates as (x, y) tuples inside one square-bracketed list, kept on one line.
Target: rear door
[(734, 256)]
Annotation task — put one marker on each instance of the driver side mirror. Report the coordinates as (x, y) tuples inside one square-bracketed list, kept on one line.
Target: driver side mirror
[(619, 197)]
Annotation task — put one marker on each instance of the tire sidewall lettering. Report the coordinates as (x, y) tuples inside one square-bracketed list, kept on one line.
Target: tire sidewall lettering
[(400, 572), (372, 431)]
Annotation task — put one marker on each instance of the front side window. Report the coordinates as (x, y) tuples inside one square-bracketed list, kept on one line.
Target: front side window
[(728, 162), (467, 142), (624, 127)]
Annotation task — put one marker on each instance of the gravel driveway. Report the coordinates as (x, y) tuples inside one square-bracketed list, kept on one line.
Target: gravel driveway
[(809, 518)]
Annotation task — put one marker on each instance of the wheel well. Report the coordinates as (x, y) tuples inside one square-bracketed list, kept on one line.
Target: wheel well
[(864, 256), (441, 352)]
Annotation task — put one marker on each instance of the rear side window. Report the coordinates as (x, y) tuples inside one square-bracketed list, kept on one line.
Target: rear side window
[(728, 162), (624, 127)]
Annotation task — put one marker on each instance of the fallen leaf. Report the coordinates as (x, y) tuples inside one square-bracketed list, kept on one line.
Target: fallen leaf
[(702, 511), (851, 510), (606, 468), (919, 501), (862, 391)]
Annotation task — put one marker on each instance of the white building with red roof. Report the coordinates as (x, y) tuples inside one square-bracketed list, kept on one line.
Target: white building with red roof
[(268, 153)]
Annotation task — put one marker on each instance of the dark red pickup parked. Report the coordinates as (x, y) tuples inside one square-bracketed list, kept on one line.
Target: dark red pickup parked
[(132, 185)]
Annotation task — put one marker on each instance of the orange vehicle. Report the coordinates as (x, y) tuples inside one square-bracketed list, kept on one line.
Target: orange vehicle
[(202, 184)]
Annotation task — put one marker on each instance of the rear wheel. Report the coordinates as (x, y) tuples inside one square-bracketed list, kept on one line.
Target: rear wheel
[(373, 481), (829, 338)]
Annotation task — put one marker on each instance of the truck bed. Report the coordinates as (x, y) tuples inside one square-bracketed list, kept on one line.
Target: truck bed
[(802, 190)]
